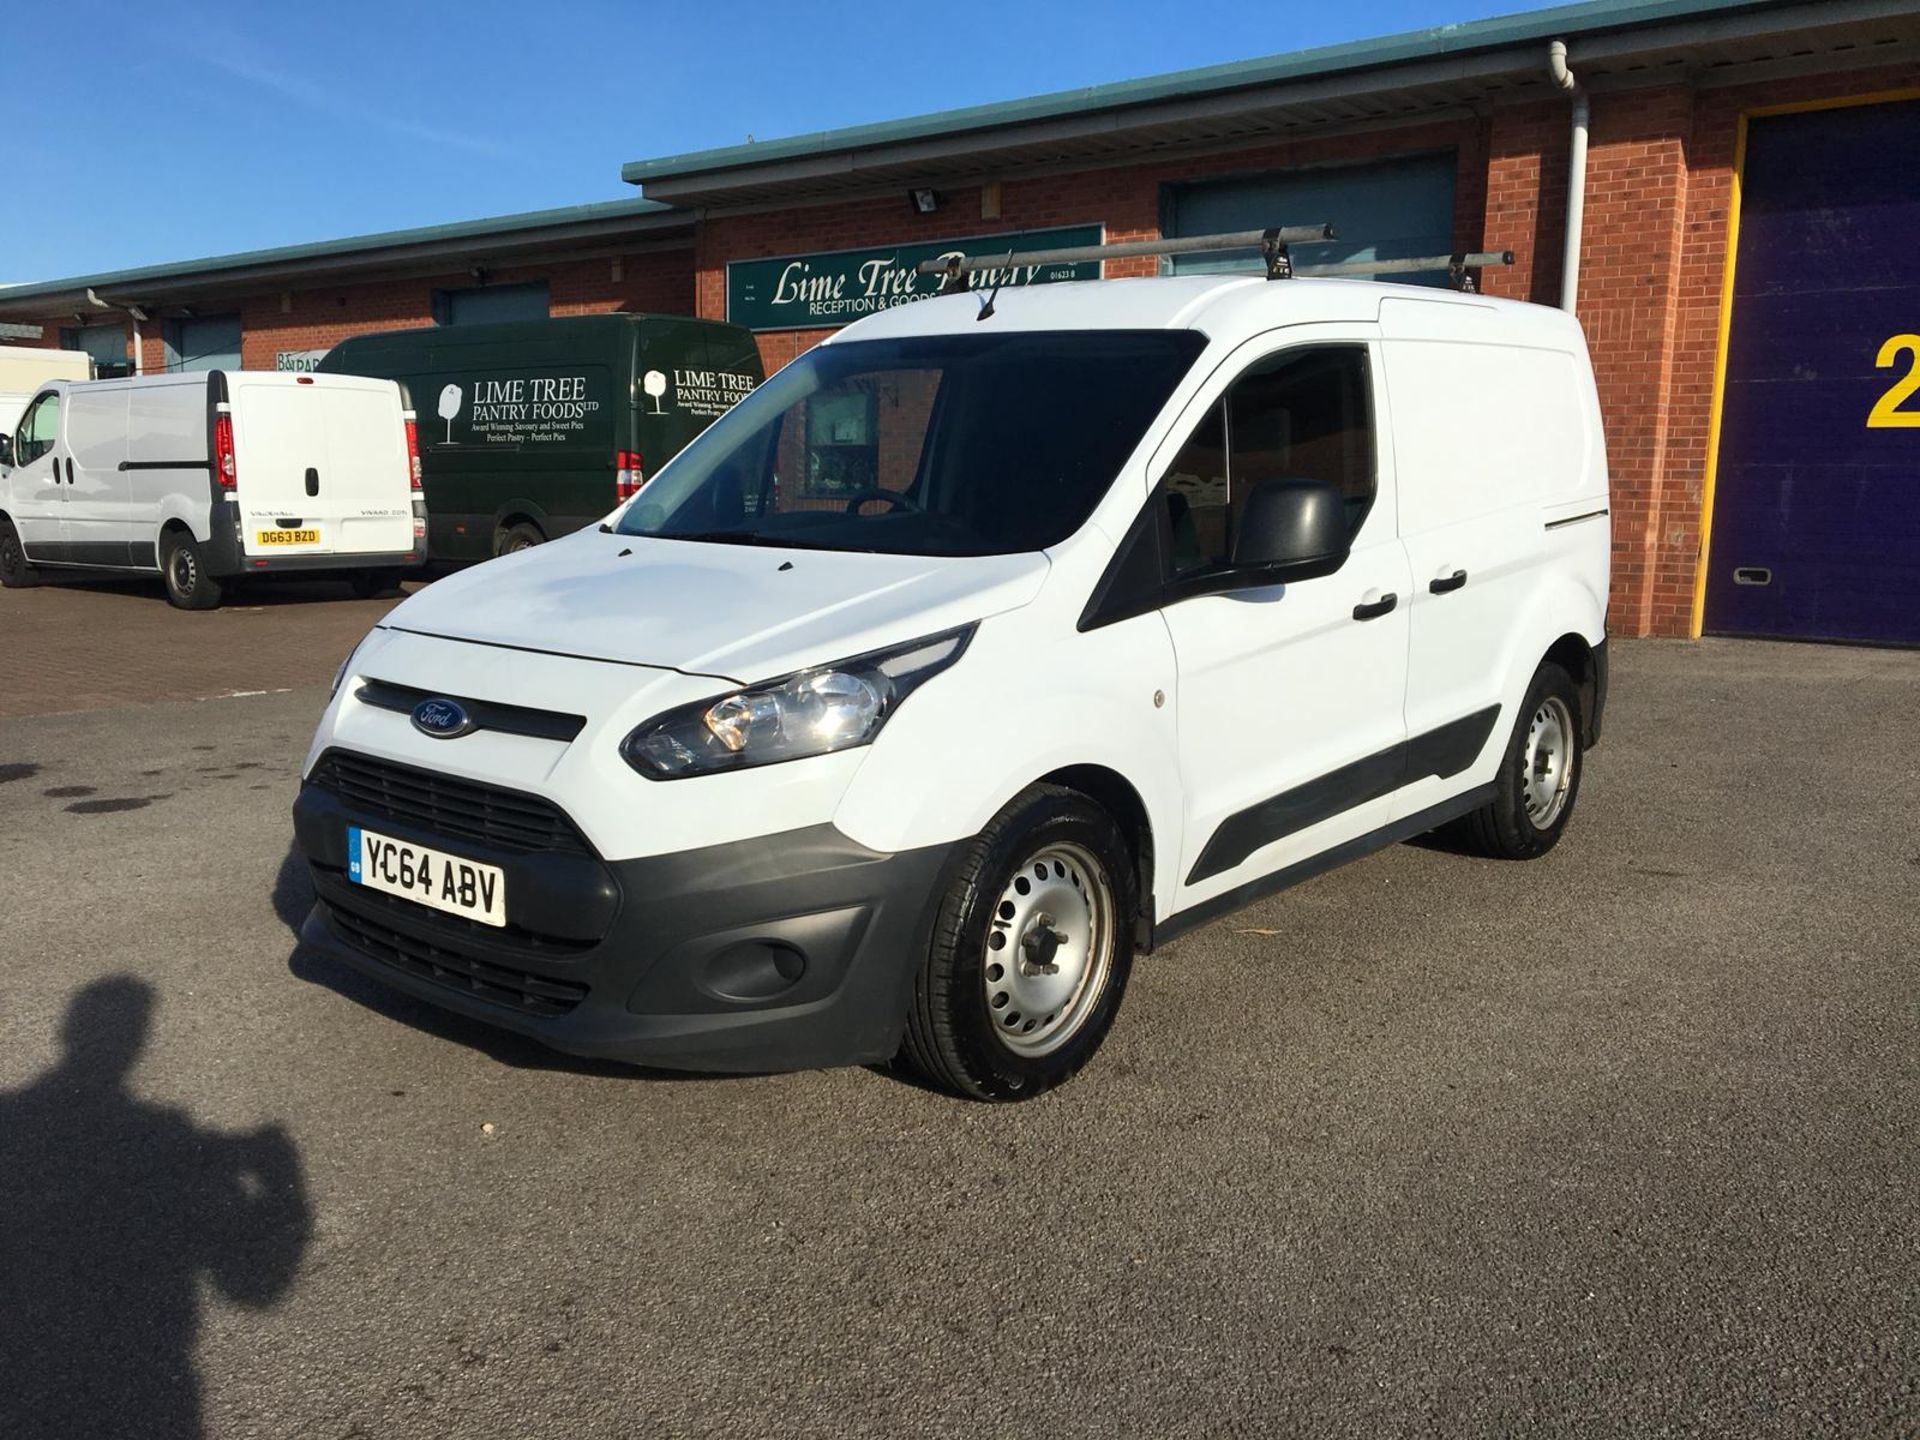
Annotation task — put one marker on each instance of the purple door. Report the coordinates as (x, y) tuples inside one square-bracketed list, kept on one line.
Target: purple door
[(1816, 514)]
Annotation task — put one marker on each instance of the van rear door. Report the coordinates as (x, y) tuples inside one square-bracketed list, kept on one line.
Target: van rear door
[(369, 477), (689, 374), (322, 465)]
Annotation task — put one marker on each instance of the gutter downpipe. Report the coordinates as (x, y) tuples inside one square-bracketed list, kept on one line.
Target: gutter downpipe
[(1576, 175)]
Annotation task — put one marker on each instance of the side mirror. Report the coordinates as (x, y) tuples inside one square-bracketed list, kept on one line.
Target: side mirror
[(6, 450), (1291, 529)]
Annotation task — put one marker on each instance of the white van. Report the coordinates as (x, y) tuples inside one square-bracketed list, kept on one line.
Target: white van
[(206, 476), (979, 651)]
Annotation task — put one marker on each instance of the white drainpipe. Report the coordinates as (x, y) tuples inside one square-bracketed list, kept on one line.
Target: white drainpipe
[(1576, 175)]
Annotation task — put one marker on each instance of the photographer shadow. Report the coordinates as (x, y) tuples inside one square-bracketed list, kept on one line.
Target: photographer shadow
[(113, 1212)]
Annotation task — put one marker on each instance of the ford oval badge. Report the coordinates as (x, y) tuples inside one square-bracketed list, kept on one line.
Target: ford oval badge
[(442, 719)]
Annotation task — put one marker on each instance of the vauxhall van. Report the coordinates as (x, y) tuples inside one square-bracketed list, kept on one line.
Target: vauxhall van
[(981, 650), (532, 429), (206, 477)]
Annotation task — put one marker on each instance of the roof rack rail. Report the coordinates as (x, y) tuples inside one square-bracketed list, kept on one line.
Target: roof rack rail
[(1459, 267), (957, 266), (1272, 243)]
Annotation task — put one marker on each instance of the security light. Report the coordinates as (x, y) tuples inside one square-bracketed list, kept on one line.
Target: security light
[(925, 202)]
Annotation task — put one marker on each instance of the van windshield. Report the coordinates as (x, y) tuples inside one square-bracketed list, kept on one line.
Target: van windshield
[(932, 445)]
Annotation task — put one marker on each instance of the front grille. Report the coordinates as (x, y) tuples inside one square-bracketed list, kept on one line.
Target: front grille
[(441, 804), (514, 989), (454, 930)]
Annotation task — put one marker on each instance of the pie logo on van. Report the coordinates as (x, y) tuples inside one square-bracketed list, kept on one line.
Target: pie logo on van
[(442, 719)]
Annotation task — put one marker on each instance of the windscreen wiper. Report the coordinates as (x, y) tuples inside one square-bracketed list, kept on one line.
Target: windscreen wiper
[(737, 537)]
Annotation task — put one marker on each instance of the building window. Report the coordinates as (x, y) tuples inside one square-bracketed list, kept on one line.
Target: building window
[(1388, 211), (490, 304), (106, 344), (210, 342)]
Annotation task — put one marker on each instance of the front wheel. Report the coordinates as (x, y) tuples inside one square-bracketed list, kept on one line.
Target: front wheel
[(1539, 777), (1030, 953), (516, 538), (15, 572), (189, 586)]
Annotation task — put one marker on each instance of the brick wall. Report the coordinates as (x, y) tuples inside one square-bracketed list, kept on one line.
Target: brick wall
[(1659, 183), (1658, 188), (319, 318), (1125, 198)]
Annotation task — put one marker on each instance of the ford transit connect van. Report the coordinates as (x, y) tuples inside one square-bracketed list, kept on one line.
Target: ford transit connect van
[(203, 477), (976, 653), (535, 428)]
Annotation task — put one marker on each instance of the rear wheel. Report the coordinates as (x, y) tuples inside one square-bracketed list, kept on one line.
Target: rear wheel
[(375, 584), (523, 536), (1030, 953), (15, 572), (189, 586), (1539, 777)]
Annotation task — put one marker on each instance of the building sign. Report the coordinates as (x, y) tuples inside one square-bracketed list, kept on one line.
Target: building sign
[(812, 292), (302, 360)]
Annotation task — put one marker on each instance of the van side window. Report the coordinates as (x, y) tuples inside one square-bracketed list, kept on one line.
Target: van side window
[(38, 430), (1302, 414)]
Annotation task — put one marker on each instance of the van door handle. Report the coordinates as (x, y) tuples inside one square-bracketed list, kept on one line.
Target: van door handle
[(1441, 584), (313, 482), (69, 469), (1374, 609)]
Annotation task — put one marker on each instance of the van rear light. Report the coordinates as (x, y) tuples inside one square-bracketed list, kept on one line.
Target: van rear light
[(225, 472), (629, 476), (413, 452)]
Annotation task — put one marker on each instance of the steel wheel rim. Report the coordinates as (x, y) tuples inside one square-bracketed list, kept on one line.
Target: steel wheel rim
[(1049, 949), (184, 572), (1548, 762)]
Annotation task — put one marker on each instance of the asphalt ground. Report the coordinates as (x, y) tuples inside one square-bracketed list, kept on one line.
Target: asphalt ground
[(83, 644), (1619, 1142)]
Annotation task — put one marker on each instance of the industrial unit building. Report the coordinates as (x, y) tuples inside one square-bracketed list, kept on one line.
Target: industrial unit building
[(1744, 267)]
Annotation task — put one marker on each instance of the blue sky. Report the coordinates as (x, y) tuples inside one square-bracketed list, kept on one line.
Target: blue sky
[(155, 132)]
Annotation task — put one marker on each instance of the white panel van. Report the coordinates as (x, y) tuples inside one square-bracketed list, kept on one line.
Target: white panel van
[(208, 476), (983, 648)]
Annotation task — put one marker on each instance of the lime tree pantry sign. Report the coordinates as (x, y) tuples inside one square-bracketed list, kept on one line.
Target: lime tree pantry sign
[(812, 292), (534, 406)]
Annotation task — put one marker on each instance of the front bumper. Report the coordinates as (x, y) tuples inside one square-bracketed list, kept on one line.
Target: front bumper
[(786, 952)]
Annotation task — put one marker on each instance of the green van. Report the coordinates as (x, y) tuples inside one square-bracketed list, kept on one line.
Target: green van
[(534, 428)]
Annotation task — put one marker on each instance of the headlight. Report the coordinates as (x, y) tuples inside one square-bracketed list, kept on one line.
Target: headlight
[(811, 712), (346, 664)]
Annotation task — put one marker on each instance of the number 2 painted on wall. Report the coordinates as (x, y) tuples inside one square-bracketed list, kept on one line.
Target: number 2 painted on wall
[(1886, 413)]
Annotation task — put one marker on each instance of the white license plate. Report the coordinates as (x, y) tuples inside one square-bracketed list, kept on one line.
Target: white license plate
[(431, 877)]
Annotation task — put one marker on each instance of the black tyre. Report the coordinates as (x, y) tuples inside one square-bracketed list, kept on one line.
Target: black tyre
[(1539, 778), (189, 586), (1030, 951), (523, 536), (375, 584), (15, 572)]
